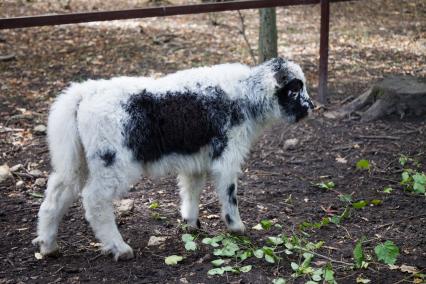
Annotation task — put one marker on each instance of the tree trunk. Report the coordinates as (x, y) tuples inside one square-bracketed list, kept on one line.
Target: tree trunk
[(403, 95), (267, 34)]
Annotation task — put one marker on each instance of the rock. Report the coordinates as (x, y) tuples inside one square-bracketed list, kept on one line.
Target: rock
[(156, 241), (36, 173), (4, 172), (290, 143), (125, 206), (15, 168), (40, 182), (40, 129), (20, 184)]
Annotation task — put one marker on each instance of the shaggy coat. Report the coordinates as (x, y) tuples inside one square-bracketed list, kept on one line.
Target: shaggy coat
[(103, 135)]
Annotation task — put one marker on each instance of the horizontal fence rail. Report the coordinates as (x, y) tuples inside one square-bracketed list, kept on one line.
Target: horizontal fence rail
[(74, 18), (84, 17)]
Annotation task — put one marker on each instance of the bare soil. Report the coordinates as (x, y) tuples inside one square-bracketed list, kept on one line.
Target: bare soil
[(275, 184)]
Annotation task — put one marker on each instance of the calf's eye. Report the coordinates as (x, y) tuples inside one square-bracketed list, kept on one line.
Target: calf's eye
[(294, 86)]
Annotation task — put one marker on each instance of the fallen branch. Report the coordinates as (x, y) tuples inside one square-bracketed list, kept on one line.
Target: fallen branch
[(8, 57)]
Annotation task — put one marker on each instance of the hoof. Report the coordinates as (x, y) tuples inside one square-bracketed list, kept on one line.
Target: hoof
[(234, 226), (241, 230), (194, 224), (47, 248), (119, 252)]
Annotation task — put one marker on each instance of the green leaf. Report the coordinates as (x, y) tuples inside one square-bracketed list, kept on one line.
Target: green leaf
[(388, 189), (191, 246), (376, 202), (335, 219), (216, 271), (229, 269), (363, 165), (419, 180), (345, 198), (229, 249), (403, 160), (187, 238), (217, 239), (278, 226), (269, 258), (405, 177), (218, 262), (275, 240), (307, 261), (258, 253), (329, 275), (246, 254), (211, 241), (266, 224), (360, 204), (154, 205), (245, 269), (387, 252), (173, 259), (316, 277), (358, 254), (294, 266), (311, 282), (279, 281), (326, 185)]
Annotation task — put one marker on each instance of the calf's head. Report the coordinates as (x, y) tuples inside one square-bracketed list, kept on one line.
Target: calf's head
[(290, 90)]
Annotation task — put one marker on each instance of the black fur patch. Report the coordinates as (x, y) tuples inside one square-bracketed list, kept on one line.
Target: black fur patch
[(181, 123), (108, 157), (234, 201), (290, 100), (231, 194), (228, 219)]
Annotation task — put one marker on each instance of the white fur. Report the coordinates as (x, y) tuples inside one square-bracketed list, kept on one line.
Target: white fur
[(88, 117)]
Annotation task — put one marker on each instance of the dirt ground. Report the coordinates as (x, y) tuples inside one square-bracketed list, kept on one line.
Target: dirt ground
[(368, 40)]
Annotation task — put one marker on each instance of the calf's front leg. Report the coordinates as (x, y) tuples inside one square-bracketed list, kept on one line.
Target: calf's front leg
[(226, 188), (191, 186)]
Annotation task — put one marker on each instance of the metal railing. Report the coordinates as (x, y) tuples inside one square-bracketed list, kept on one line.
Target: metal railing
[(73, 18)]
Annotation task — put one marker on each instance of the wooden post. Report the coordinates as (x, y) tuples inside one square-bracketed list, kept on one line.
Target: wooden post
[(267, 34), (323, 66)]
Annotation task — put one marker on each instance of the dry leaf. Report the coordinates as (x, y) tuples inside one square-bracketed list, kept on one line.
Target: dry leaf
[(409, 269), (341, 160)]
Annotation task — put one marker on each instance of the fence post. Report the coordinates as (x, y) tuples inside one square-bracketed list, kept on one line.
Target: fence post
[(323, 66)]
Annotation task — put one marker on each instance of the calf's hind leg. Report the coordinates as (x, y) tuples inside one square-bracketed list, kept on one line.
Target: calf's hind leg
[(98, 195), (59, 197)]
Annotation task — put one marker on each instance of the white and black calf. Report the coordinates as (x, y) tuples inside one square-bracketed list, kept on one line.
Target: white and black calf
[(200, 122)]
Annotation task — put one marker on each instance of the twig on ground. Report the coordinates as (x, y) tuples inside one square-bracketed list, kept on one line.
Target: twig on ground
[(385, 179), (322, 256), (384, 137), (400, 221)]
